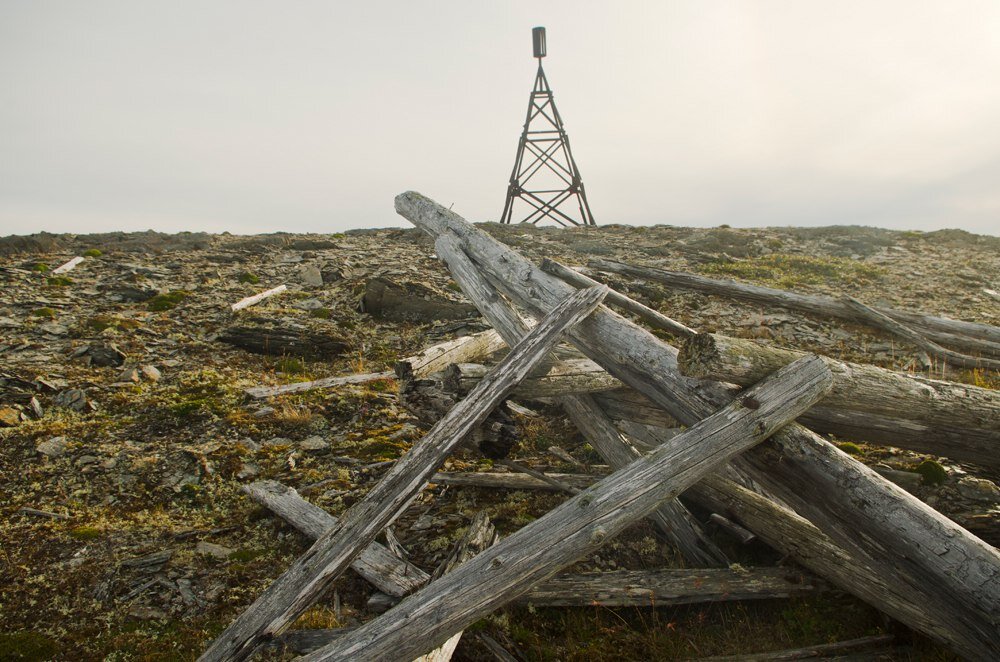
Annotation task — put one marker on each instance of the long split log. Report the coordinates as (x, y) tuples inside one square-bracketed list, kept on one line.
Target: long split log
[(569, 376), (295, 590), (258, 392), (672, 519), (257, 298), (893, 327), (966, 336), (69, 266), (654, 318), (933, 562), (581, 524), (868, 647)]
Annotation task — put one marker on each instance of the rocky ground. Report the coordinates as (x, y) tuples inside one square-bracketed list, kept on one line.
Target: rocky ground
[(125, 433)]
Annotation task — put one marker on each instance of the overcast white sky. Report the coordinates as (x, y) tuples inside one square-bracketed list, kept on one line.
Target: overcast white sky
[(254, 116)]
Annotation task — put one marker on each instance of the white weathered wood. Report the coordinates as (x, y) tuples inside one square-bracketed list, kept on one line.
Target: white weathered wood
[(654, 318), (295, 590), (671, 518), (563, 377), (258, 392), (511, 481), (377, 564), (945, 418), (582, 524), (669, 587), (257, 298), (880, 525), (967, 336), (69, 266), (460, 350), (893, 327)]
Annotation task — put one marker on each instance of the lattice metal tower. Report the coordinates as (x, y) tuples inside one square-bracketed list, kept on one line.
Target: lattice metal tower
[(549, 166)]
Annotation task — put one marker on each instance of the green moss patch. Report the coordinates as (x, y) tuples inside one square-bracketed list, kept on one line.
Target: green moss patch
[(44, 312), (167, 300), (789, 271), (933, 473), (59, 281), (92, 252)]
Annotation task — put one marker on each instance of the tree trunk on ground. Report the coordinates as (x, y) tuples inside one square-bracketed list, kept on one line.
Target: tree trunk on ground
[(285, 341), (966, 336)]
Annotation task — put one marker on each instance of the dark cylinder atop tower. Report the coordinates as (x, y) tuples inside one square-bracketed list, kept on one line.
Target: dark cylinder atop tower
[(538, 41)]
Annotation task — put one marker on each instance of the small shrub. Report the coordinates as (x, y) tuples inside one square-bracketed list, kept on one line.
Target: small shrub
[(247, 277), (44, 312), (92, 252), (850, 448), (321, 313), (167, 300), (291, 366), (85, 533), (932, 472), (59, 281)]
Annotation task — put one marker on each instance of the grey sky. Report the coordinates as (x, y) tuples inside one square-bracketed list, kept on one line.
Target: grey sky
[(256, 116)]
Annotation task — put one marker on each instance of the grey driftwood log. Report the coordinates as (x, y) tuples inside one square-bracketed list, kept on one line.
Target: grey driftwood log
[(966, 336), (672, 519), (945, 418), (438, 357), (862, 648), (376, 563), (271, 340), (563, 377), (654, 318), (583, 523), (295, 590), (930, 559), (893, 327), (259, 392)]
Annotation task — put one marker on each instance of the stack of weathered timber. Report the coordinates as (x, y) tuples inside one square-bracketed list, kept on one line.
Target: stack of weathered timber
[(742, 454)]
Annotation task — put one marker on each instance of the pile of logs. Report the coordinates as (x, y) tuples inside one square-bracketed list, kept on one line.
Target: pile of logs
[(731, 424)]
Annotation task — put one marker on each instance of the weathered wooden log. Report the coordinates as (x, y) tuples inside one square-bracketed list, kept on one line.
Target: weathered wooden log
[(881, 526), (384, 299), (563, 377), (966, 336), (581, 524), (671, 518), (839, 650), (375, 563), (295, 590), (893, 327), (511, 481), (968, 444), (257, 298), (69, 266), (460, 350), (654, 318), (944, 418), (285, 341), (668, 587), (258, 392)]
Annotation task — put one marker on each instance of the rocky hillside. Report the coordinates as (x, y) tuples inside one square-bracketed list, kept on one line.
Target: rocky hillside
[(126, 434)]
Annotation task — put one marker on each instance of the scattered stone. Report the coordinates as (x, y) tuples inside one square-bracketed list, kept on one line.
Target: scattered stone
[(311, 275), (9, 417), (53, 329), (151, 373), (54, 447), (106, 356), (386, 300), (129, 375), (979, 489), (211, 549), (314, 443), (309, 304), (247, 471), (908, 480), (72, 398), (146, 613), (36, 407)]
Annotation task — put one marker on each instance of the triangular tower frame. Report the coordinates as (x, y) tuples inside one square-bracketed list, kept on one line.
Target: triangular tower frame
[(548, 151)]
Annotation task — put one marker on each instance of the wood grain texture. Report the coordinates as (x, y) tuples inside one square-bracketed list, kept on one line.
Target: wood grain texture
[(259, 392), (879, 524), (438, 357), (583, 523), (296, 590)]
